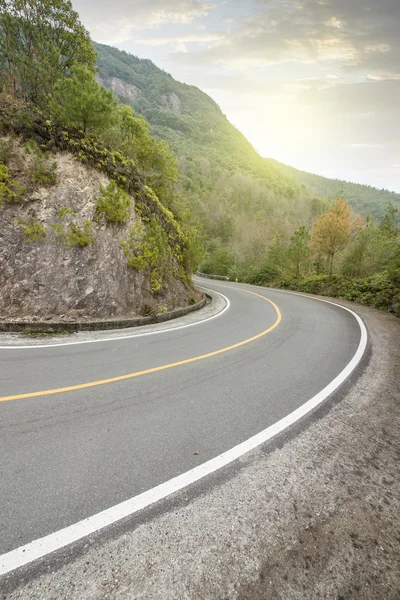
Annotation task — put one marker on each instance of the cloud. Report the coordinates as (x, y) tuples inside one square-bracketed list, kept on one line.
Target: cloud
[(205, 38), (314, 83), (113, 22), (355, 35)]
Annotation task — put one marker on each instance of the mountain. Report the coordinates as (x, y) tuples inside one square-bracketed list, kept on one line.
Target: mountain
[(244, 202), (363, 198), (184, 116)]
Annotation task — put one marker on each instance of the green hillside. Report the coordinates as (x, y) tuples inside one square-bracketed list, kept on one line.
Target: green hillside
[(189, 120), (365, 199), (241, 201), (258, 215)]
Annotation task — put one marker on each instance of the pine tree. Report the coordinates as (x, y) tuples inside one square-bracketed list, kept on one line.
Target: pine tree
[(40, 40), (79, 101), (299, 251)]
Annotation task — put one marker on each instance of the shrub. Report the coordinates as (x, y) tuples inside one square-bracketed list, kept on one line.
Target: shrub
[(6, 148), (59, 231), (113, 204), (79, 236), (147, 310), (42, 170), (32, 231), (64, 211), (378, 290), (11, 191), (261, 274), (148, 247)]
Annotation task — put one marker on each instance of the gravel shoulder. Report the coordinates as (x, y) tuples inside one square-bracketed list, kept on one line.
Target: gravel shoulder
[(313, 515)]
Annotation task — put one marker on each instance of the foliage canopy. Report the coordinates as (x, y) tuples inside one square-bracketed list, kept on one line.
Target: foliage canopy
[(40, 41)]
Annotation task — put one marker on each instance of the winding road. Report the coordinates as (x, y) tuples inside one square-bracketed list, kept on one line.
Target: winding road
[(86, 427)]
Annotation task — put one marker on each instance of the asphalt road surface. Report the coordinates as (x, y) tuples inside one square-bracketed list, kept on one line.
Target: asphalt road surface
[(65, 456)]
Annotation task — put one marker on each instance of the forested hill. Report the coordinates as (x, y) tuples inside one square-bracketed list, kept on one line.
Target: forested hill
[(364, 198), (249, 207), (187, 118)]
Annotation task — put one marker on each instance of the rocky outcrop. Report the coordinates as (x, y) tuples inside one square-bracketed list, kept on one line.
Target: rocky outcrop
[(172, 103), (44, 273), (123, 90)]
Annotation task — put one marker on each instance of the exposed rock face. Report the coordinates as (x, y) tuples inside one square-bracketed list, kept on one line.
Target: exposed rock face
[(172, 103), (49, 278), (122, 89)]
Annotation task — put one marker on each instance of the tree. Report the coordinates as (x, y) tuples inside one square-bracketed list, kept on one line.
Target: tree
[(388, 224), (277, 254), (299, 250), (359, 260), (219, 263), (40, 41), (79, 101), (332, 232)]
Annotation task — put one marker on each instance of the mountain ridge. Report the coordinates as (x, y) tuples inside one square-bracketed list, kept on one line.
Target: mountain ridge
[(321, 185), (171, 108)]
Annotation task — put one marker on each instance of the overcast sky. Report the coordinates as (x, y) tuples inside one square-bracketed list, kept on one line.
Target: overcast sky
[(312, 83)]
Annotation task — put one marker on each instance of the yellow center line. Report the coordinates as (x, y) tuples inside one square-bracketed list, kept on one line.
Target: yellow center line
[(82, 386)]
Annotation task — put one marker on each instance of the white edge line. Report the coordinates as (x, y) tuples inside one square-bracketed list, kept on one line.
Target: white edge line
[(126, 337), (55, 541)]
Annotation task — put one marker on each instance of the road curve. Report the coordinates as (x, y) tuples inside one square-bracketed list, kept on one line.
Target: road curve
[(70, 454)]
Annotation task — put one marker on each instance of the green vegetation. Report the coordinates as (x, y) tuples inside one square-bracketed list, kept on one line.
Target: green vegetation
[(79, 101), (79, 236), (32, 231), (343, 257), (6, 148), (184, 116), (51, 98), (378, 290), (262, 222), (42, 170), (113, 204), (242, 202), (39, 43), (65, 211), (148, 247), (363, 199), (10, 190), (73, 234)]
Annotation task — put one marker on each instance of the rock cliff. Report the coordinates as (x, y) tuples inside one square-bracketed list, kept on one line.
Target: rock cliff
[(60, 256)]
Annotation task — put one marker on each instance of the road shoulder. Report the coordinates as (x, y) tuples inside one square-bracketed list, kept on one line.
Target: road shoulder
[(313, 516)]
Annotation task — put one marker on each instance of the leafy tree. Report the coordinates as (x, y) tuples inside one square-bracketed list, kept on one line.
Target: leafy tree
[(299, 250), (331, 233), (394, 265), (219, 263), (277, 254), (388, 224), (79, 101), (261, 274), (358, 261), (40, 41)]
